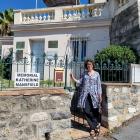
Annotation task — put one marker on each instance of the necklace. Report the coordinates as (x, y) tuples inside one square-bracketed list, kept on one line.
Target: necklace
[(91, 73)]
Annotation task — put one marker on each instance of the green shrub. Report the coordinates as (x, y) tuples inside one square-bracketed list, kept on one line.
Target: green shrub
[(116, 52), (50, 83), (46, 82)]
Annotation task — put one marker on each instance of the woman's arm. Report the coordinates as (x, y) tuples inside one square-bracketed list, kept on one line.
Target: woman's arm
[(73, 78)]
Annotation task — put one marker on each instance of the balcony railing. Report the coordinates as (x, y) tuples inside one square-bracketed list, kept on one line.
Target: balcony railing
[(58, 14), (81, 13), (37, 17)]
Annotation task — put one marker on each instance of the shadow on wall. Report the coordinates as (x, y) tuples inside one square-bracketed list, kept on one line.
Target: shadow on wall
[(78, 115), (47, 136)]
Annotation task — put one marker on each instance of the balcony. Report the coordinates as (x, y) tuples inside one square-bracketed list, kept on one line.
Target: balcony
[(53, 3), (60, 14)]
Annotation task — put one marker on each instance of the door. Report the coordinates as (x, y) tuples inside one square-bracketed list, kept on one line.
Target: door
[(37, 50)]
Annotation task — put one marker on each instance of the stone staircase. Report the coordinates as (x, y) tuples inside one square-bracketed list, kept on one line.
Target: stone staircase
[(79, 131)]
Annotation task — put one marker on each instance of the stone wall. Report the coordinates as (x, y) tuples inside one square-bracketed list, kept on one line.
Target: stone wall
[(41, 114), (34, 114), (121, 102), (125, 28)]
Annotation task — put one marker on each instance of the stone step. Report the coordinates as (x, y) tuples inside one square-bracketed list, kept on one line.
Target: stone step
[(76, 134), (80, 134), (80, 129)]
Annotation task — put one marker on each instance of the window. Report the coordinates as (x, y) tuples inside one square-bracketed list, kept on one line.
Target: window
[(75, 49), (83, 51), (19, 50), (79, 48), (19, 55), (53, 44), (20, 45)]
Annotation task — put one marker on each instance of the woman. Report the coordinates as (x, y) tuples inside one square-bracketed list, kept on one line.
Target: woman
[(90, 97)]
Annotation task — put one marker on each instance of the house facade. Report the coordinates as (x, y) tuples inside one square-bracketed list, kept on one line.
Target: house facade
[(76, 31)]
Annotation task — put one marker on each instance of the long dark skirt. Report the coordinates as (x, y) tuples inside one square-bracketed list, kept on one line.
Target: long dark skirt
[(92, 115)]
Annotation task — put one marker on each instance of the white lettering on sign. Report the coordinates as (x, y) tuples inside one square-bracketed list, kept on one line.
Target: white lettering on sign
[(27, 79)]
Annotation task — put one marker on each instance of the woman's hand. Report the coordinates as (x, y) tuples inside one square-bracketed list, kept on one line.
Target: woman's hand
[(71, 76)]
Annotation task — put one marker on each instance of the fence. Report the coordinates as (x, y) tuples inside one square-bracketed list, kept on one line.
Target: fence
[(109, 71)]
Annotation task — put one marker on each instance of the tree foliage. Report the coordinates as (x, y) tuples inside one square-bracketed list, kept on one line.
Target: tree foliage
[(6, 19), (116, 52), (6, 66)]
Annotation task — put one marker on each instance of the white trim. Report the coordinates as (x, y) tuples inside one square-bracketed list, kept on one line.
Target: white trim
[(62, 25)]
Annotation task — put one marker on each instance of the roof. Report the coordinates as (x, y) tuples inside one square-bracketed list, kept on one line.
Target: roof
[(53, 3)]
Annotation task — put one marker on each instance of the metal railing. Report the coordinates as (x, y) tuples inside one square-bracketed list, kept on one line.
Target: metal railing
[(110, 71)]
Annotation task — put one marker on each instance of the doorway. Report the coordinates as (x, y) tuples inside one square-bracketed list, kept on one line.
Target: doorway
[(37, 51)]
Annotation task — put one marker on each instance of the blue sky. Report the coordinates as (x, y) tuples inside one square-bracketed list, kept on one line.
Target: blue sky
[(23, 4)]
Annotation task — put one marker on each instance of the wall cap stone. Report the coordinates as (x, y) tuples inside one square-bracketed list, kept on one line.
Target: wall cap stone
[(120, 84), (31, 91), (116, 84)]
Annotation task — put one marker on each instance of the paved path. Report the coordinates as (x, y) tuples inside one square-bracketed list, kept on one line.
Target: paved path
[(129, 132)]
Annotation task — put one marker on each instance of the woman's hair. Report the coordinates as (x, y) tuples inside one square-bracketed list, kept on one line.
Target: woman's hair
[(91, 61)]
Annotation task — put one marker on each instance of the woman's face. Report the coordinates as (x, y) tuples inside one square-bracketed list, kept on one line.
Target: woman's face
[(89, 66)]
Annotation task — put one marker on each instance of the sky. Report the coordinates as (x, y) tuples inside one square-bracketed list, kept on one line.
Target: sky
[(23, 4)]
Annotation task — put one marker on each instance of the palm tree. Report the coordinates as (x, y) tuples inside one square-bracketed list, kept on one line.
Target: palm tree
[(6, 19)]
